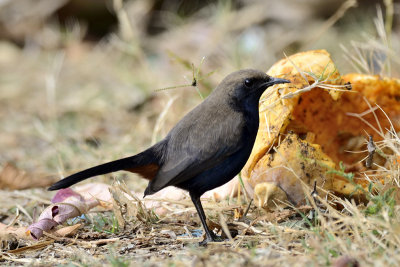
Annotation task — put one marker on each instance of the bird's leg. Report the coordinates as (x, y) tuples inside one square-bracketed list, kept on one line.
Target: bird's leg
[(210, 236)]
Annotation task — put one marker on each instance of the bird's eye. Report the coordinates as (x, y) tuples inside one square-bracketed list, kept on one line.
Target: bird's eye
[(248, 82)]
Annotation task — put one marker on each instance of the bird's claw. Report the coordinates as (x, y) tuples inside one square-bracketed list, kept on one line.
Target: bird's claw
[(211, 238)]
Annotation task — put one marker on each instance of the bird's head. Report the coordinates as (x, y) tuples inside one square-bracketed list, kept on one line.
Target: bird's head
[(246, 86)]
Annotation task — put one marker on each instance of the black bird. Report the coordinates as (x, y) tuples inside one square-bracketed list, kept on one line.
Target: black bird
[(207, 147)]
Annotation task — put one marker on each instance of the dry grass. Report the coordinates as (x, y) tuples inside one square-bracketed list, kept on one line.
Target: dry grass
[(77, 104)]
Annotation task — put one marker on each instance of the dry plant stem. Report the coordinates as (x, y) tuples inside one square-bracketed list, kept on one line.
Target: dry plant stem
[(365, 121), (36, 246), (320, 82), (24, 212), (332, 20), (249, 227), (160, 120), (386, 142), (384, 28), (357, 60), (19, 260), (375, 116), (195, 78), (225, 228), (389, 16), (248, 208), (188, 203), (363, 55), (14, 219), (188, 232), (72, 241), (371, 151), (126, 29), (29, 196)]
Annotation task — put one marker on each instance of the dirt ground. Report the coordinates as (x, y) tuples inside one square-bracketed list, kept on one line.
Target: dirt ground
[(73, 95)]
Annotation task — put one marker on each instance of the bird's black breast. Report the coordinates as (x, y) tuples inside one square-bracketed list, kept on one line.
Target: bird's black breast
[(224, 171)]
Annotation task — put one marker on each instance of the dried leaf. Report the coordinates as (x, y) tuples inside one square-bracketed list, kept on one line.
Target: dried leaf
[(69, 205), (15, 179), (68, 230), (8, 234), (170, 233)]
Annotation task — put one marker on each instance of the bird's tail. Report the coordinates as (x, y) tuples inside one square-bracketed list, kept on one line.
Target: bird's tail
[(146, 164)]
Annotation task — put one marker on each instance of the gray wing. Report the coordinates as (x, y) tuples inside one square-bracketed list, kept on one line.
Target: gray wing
[(199, 142)]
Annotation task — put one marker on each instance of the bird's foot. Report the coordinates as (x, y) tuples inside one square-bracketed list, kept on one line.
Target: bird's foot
[(211, 238)]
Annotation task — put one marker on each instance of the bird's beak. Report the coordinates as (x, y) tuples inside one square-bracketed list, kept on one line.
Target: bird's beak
[(273, 81)]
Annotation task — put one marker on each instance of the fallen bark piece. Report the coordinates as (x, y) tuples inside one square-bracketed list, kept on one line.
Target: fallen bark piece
[(335, 115), (33, 247), (277, 106), (293, 164)]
